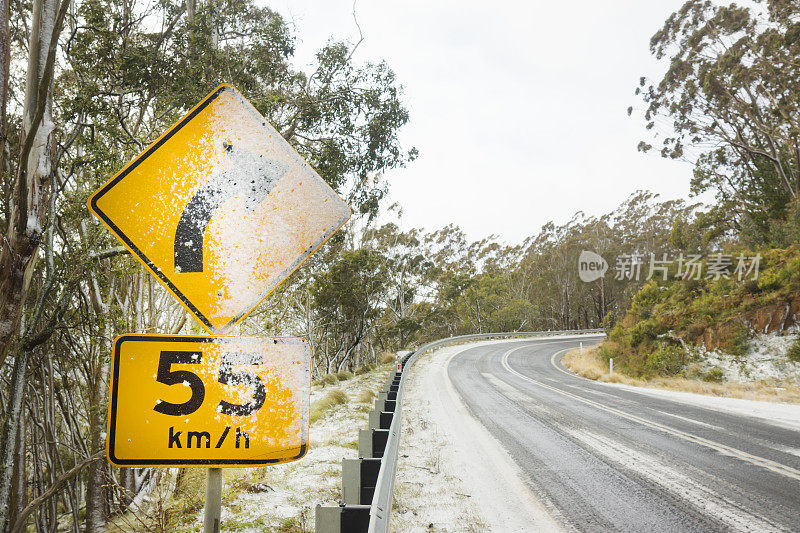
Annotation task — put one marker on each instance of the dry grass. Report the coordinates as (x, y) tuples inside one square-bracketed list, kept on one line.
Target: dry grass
[(366, 369), (327, 379), (366, 396), (589, 365), (344, 375), (388, 357), (329, 401)]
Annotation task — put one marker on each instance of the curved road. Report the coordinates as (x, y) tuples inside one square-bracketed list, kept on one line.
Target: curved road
[(602, 458)]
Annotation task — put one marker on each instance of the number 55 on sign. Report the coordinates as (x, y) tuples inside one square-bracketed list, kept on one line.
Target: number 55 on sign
[(208, 401)]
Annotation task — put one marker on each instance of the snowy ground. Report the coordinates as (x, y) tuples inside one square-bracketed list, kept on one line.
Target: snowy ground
[(766, 361), (452, 475), (283, 497)]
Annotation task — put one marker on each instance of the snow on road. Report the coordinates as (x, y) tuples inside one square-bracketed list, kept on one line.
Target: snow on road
[(452, 475), (785, 415)]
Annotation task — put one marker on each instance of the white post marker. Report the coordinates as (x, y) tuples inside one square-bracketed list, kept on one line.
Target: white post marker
[(581, 347), (213, 510), (611, 366)]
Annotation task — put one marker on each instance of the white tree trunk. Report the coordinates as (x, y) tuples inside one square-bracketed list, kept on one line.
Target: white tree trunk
[(18, 257)]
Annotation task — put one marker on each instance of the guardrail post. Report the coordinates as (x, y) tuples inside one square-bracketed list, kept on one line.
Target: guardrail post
[(341, 519), (382, 404), (372, 442), (358, 480), (380, 419)]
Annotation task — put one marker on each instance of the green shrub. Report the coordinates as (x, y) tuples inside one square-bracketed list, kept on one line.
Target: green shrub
[(738, 342), (618, 333), (344, 375), (794, 351), (644, 301), (609, 321), (667, 360), (751, 286), (644, 332), (714, 375), (607, 351)]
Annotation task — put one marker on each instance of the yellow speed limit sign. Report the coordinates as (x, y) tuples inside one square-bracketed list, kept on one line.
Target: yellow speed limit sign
[(208, 401)]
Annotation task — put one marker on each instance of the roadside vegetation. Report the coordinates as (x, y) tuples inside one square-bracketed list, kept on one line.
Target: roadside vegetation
[(591, 365), (733, 114), (671, 322)]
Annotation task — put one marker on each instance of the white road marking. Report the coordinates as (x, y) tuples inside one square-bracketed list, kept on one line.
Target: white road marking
[(691, 420), (788, 449), (567, 372), (507, 390), (599, 393), (773, 466)]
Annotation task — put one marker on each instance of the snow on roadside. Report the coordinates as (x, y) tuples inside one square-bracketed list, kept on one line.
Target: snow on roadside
[(285, 495), (765, 361), (780, 414), (452, 475)]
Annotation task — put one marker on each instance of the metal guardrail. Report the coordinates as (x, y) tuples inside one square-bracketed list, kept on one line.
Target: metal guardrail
[(380, 511), (381, 506)]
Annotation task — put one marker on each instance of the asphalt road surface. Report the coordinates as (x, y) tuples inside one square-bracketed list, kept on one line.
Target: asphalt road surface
[(605, 459)]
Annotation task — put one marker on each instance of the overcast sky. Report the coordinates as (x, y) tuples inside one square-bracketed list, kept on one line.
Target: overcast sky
[(518, 108)]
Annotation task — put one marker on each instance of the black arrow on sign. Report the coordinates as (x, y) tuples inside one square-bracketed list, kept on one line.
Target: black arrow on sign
[(251, 177)]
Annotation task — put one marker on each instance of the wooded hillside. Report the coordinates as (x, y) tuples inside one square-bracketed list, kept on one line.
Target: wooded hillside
[(85, 85)]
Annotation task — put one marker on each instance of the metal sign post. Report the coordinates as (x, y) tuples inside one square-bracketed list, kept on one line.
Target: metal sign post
[(213, 512)]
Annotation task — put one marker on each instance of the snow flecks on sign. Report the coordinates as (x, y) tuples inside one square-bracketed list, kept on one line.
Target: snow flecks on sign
[(254, 391), (222, 209), (271, 216), (274, 497)]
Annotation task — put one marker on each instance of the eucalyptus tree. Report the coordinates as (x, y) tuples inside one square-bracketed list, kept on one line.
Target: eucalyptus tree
[(730, 95), (348, 297), (101, 92), (406, 264)]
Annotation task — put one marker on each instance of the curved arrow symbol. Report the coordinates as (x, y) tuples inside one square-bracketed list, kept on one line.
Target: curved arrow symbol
[(251, 178)]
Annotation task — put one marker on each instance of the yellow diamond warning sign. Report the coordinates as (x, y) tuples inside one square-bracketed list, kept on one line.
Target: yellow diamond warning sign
[(206, 401), (220, 209)]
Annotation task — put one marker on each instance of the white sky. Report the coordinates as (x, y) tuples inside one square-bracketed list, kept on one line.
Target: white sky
[(518, 108)]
